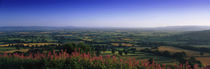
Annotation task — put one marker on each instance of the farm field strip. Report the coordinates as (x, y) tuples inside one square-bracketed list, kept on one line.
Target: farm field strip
[(205, 59)]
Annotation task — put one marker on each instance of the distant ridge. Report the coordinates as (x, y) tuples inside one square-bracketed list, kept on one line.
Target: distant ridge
[(18, 28), (168, 28), (184, 28), (193, 37)]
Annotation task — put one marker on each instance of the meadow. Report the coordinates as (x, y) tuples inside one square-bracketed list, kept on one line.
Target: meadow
[(205, 58)]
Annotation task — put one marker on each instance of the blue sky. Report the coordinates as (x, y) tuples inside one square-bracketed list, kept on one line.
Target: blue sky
[(104, 13)]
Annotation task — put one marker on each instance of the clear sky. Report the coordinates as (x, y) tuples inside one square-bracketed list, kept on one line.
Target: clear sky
[(104, 13)]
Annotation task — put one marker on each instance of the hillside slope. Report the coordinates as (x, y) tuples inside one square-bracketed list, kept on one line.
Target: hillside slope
[(195, 37)]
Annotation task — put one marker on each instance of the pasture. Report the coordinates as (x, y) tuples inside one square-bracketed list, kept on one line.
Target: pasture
[(205, 59), (144, 57)]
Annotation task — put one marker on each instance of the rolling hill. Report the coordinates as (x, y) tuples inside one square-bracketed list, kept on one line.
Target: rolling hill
[(193, 37)]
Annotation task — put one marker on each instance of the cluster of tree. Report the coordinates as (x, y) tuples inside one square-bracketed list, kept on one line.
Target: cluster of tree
[(200, 49), (99, 49), (151, 44), (124, 51), (68, 47), (22, 45), (26, 41), (71, 47), (180, 56)]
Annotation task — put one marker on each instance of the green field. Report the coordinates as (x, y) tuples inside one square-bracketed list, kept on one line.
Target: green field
[(104, 41)]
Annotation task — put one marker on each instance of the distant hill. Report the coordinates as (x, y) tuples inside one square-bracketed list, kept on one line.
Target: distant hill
[(182, 28), (28, 28), (193, 37), (169, 28)]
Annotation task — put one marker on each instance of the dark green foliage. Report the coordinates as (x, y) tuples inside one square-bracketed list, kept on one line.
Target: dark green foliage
[(125, 51), (166, 53), (193, 61), (16, 63), (98, 52), (179, 56), (201, 53), (200, 49), (113, 51), (120, 52), (192, 38), (71, 47), (133, 50)]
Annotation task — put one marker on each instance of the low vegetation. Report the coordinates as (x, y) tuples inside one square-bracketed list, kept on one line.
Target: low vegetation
[(102, 49)]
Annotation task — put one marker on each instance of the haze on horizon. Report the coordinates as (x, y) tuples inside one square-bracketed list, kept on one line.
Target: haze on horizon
[(105, 13)]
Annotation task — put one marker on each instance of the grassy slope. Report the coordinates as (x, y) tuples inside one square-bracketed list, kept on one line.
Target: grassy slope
[(204, 59)]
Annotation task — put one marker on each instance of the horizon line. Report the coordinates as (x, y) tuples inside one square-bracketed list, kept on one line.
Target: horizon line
[(116, 27)]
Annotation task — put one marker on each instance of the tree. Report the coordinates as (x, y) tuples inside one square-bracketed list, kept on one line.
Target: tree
[(71, 47), (201, 53), (166, 53), (179, 55), (9, 45), (192, 61), (151, 60), (126, 52), (98, 52), (133, 50), (155, 47), (17, 47), (120, 53), (113, 51)]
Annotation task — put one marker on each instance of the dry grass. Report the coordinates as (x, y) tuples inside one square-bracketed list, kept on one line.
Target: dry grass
[(141, 48), (115, 44), (4, 45), (204, 60), (11, 51), (123, 44), (126, 44), (174, 50), (86, 39), (126, 39)]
